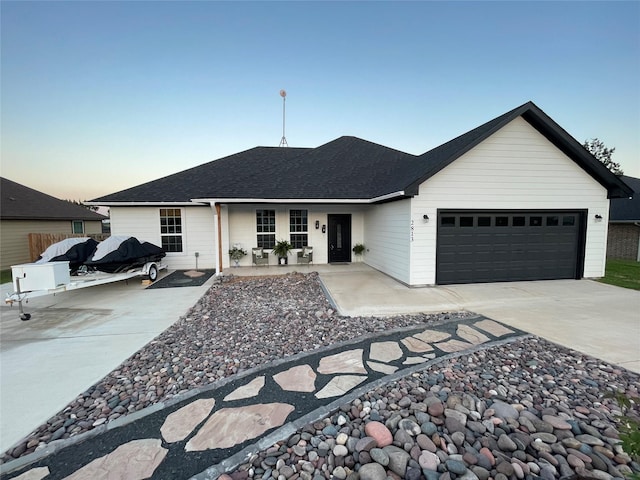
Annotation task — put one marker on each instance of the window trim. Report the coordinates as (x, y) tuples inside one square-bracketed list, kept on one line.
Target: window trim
[(259, 228), (304, 224), (181, 234), (73, 230)]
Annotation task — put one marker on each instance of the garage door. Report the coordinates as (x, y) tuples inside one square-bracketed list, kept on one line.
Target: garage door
[(477, 246)]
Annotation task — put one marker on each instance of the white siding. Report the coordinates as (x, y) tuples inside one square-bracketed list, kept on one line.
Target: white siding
[(242, 228), (198, 232), (516, 168), (388, 239)]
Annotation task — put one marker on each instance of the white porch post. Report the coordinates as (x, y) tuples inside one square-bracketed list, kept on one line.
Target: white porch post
[(218, 236)]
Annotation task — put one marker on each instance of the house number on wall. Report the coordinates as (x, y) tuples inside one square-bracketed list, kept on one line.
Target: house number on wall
[(412, 229)]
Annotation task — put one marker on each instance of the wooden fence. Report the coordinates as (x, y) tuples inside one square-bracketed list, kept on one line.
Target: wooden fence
[(38, 242)]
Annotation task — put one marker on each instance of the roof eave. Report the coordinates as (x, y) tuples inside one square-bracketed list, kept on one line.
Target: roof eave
[(553, 132), (378, 199), (141, 204)]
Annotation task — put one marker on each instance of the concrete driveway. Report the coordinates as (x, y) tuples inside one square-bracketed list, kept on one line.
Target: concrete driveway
[(591, 317), (72, 341)]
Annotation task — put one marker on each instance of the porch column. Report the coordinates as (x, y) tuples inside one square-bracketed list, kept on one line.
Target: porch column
[(218, 234)]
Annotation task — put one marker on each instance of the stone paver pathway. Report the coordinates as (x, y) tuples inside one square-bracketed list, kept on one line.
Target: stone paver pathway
[(188, 437)]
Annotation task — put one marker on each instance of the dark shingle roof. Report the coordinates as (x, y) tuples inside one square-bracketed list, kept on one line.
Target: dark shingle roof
[(345, 168), (626, 209), (24, 203), (249, 173)]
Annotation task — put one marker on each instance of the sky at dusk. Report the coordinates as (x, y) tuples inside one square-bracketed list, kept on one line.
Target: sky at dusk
[(102, 96)]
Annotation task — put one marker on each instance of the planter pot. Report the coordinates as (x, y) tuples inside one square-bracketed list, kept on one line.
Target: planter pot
[(237, 263), (282, 260)]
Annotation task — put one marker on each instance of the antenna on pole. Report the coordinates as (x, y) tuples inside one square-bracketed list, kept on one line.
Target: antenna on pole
[(283, 140)]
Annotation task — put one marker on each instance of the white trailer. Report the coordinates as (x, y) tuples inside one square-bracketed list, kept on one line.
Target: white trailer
[(34, 280)]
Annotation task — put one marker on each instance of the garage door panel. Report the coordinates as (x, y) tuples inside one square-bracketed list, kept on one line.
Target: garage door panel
[(508, 246)]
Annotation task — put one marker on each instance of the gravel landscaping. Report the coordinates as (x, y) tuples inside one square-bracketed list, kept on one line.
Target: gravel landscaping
[(240, 323), (522, 410), (529, 409)]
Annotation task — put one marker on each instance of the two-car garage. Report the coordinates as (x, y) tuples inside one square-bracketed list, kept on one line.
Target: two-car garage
[(498, 246)]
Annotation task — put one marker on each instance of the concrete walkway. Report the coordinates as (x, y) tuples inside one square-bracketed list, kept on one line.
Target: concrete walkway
[(594, 318)]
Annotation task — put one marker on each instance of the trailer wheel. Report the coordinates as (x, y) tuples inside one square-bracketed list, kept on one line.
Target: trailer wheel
[(25, 316), (153, 273)]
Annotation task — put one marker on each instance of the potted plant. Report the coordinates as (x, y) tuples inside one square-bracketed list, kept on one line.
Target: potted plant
[(358, 249), (281, 250), (236, 253)]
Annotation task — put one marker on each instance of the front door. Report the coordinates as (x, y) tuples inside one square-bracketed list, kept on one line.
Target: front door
[(339, 238)]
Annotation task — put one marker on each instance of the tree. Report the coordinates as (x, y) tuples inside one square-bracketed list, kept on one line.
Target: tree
[(598, 149), (88, 207)]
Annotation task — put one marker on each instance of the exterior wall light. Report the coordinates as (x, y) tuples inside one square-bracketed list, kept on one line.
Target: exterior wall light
[(425, 217), (324, 229), (317, 224), (598, 216)]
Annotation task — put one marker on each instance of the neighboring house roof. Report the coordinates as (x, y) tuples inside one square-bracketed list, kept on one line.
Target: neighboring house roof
[(23, 203), (345, 168), (626, 210)]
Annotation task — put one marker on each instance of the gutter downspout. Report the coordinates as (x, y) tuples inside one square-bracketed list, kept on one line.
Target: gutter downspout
[(219, 235)]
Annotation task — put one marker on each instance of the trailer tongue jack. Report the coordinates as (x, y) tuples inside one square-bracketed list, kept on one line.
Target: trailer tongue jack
[(23, 316)]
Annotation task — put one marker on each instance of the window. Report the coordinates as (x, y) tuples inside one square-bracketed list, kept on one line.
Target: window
[(552, 221), (466, 221), (502, 221), (77, 226), (266, 228), (298, 228), (484, 221), (568, 221), (535, 221), (171, 229), (519, 221), (448, 221)]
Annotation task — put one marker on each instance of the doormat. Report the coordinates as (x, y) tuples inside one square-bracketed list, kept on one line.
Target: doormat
[(183, 278)]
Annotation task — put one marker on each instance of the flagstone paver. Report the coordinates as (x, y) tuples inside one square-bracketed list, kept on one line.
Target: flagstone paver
[(451, 346), (179, 424), (343, 362), (471, 335), (416, 346), (385, 351), (135, 460), (340, 385), (34, 474), (494, 328), (227, 428), (231, 426), (414, 360), (301, 378), (249, 390), (431, 336), (382, 367)]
